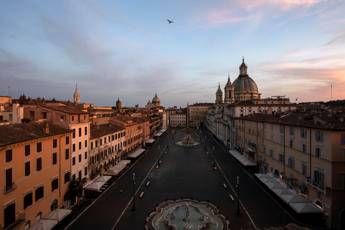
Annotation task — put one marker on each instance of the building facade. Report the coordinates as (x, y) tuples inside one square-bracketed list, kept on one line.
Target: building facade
[(178, 118), (10, 112), (106, 145), (36, 168), (134, 131), (71, 117), (196, 113), (306, 150)]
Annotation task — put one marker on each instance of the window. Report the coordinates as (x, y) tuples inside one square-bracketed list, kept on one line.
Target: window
[(91, 145), (27, 200), (67, 140), (317, 152), (85, 131), (304, 169), (85, 143), (39, 193), (79, 157), (79, 175), (39, 147), (282, 139), (67, 177), (319, 178), (73, 161), (39, 164), (44, 115), (291, 162), (105, 140), (100, 142), (66, 154), (79, 132), (96, 143), (8, 179), (73, 134), (292, 131), (27, 150), (304, 149), (318, 136), (73, 147), (8, 155), (85, 171), (54, 143), (303, 133), (281, 158), (79, 145), (54, 158), (27, 168), (291, 143), (85, 155), (72, 118), (281, 129), (55, 184)]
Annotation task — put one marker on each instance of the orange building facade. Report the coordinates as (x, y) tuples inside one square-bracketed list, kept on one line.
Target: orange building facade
[(35, 167)]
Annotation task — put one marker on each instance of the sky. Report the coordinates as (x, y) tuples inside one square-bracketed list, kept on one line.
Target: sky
[(126, 49)]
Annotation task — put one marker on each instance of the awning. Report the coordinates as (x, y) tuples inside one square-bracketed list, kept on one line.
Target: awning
[(150, 141), (158, 134), (250, 149), (305, 208), (97, 183), (241, 158), (297, 202), (136, 153), (52, 219), (293, 198), (115, 170)]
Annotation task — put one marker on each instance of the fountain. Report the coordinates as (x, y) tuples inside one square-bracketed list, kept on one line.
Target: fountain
[(187, 140), (186, 214)]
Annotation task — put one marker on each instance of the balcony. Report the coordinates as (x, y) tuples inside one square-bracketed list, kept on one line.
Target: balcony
[(10, 188)]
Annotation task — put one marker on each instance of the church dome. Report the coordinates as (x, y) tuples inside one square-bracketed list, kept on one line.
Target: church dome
[(156, 100), (245, 84)]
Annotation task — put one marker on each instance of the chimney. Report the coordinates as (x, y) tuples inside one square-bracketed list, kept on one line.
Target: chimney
[(46, 128)]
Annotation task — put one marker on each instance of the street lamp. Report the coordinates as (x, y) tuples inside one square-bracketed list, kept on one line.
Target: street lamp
[(133, 180)]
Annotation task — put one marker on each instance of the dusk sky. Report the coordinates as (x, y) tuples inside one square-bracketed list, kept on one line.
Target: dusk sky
[(127, 49)]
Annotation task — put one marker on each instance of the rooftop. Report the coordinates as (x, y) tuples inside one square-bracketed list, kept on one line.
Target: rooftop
[(310, 119), (102, 130), (202, 104), (16, 133), (70, 109)]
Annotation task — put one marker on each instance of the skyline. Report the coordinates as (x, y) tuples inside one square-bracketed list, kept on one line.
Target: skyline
[(128, 50)]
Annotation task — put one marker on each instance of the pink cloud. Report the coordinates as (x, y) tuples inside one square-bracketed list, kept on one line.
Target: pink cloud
[(283, 4), (236, 11), (224, 16)]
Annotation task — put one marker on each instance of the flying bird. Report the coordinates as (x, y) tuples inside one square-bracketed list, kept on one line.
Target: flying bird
[(170, 21)]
